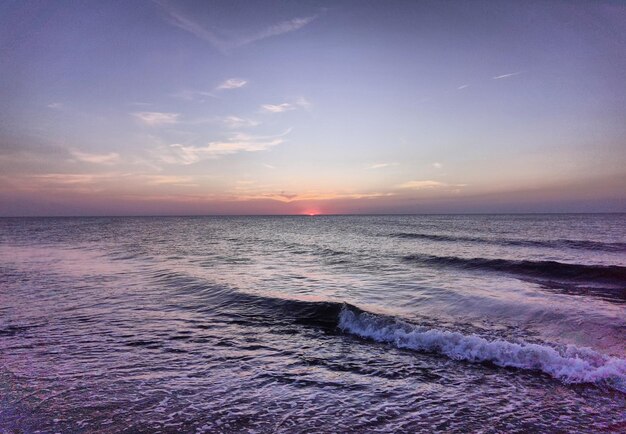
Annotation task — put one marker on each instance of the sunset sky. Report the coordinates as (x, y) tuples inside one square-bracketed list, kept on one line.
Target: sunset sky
[(225, 107)]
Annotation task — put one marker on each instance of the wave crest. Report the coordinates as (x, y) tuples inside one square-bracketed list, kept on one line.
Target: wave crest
[(571, 365)]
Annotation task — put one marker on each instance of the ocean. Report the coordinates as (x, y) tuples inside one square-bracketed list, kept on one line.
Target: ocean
[(299, 324)]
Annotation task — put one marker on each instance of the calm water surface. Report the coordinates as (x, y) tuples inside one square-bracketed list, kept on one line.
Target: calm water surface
[(313, 324)]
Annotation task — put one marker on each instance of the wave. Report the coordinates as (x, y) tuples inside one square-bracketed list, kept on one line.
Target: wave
[(557, 244), (572, 365), (613, 275)]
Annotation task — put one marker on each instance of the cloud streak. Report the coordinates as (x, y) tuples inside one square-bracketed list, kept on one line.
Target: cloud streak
[(239, 142), (226, 41), (381, 165), (421, 185), (156, 118), (232, 83), (277, 108), (286, 106), (193, 95), (512, 74), (237, 122), (110, 158)]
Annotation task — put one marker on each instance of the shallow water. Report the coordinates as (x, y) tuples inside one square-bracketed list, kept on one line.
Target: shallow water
[(327, 323)]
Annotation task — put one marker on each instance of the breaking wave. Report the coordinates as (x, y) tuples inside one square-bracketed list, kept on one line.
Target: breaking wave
[(571, 365)]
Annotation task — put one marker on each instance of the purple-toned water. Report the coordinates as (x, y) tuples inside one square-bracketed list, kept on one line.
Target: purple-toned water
[(313, 324)]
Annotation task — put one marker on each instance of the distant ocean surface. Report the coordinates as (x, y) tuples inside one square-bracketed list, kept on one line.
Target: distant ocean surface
[(484, 323)]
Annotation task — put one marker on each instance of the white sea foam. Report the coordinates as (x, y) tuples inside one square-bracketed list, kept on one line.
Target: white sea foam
[(570, 365)]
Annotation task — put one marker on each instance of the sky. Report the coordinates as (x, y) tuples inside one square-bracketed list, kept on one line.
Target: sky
[(311, 107)]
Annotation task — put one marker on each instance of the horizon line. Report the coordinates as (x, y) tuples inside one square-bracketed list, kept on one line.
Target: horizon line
[(311, 215)]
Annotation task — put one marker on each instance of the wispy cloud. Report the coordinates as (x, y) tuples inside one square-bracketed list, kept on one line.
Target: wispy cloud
[(239, 142), (288, 197), (55, 105), (421, 185), (381, 165), (193, 95), (437, 165), (300, 102), (268, 166), (233, 83), (110, 158), (464, 86), (183, 181), (303, 102), (277, 29), (228, 40), (237, 122), (76, 182), (278, 108), (68, 178), (157, 118), (430, 185), (512, 74)]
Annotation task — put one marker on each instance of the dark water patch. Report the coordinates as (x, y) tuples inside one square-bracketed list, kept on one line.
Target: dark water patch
[(609, 276), (13, 330), (553, 244), (179, 338), (145, 343), (175, 350), (303, 382), (612, 294)]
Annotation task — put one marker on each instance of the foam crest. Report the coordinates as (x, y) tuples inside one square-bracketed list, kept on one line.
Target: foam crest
[(571, 365)]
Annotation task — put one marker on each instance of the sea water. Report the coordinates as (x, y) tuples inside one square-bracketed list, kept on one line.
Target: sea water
[(486, 323)]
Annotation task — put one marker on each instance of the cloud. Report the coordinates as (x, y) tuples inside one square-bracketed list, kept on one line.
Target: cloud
[(187, 24), (498, 77), (185, 181), (381, 165), (268, 166), (287, 197), (303, 102), (239, 142), (437, 165), (421, 185), (156, 118), (233, 83), (278, 108), (76, 182), (193, 95), (68, 178), (86, 157), (237, 122), (278, 29), (300, 102), (228, 40), (464, 86), (428, 185), (55, 105)]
